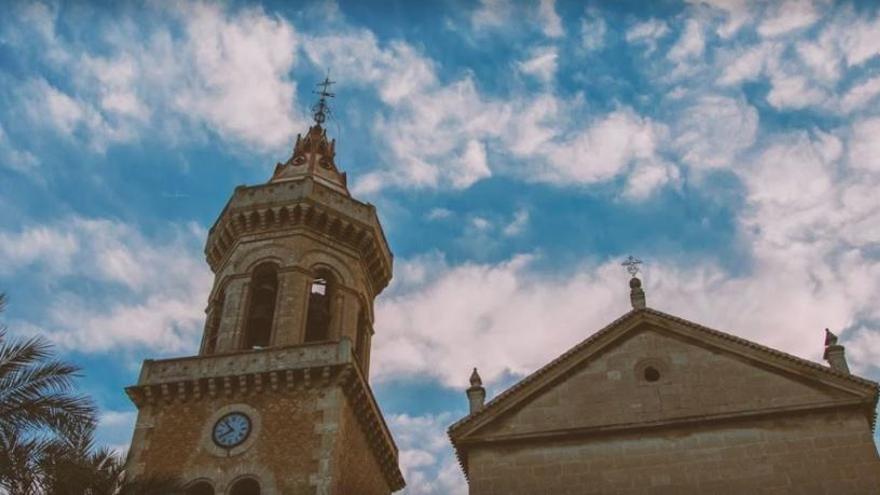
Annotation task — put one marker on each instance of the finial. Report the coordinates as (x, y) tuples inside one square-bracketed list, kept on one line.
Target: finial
[(830, 338), (476, 381), (320, 109), (632, 265), (476, 393), (835, 353), (636, 293)]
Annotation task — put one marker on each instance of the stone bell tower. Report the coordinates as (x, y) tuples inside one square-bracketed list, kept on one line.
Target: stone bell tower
[(277, 400)]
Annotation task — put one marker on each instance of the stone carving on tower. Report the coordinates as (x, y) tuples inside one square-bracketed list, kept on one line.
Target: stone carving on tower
[(277, 401)]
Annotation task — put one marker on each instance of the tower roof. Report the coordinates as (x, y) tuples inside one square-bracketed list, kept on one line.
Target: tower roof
[(314, 155)]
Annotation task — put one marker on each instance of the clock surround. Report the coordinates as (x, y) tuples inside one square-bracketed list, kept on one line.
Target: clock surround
[(231, 430)]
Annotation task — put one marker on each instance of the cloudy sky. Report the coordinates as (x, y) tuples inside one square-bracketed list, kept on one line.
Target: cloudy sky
[(517, 151)]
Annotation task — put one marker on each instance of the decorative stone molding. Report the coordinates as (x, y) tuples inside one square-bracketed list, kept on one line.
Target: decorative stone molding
[(274, 370), (302, 204)]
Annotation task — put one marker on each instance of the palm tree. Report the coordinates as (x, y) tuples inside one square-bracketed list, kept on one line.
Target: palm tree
[(37, 406), (73, 465), (36, 389), (47, 432)]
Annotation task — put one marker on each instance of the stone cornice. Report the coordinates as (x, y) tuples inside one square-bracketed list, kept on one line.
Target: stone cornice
[(676, 422), (276, 370), (302, 203)]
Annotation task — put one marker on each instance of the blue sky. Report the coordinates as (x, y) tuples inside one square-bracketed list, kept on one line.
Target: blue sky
[(516, 152)]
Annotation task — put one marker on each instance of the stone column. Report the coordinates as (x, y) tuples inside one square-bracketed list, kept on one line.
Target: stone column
[(290, 310), (232, 321), (345, 314)]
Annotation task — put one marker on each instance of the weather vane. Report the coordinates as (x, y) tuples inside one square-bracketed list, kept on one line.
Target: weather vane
[(632, 265), (320, 110)]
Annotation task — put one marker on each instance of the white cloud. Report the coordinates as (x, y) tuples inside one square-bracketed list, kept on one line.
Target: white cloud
[(712, 131), (647, 32), (197, 64), (793, 90), (474, 320), (439, 214), (155, 291), (648, 177), (599, 151), (491, 13), (860, 95), (426, 457), (788, 16), (519, 223), (691, 43), (242, 63), (737, 13), (742, 64), (541, 64), (859, 37), (864, 149), (863, 349), (71, 117), (593, 31), (16, 159), (551, 24)]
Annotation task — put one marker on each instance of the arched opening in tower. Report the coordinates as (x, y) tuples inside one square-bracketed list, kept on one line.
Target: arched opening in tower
[(247, 486), (318, 319), (199, 488), (264, 292)]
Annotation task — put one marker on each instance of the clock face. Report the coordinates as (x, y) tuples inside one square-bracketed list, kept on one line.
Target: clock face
[(231, 430)]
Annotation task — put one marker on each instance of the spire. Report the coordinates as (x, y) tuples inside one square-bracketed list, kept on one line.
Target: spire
[(314, 154), (835, 353), (636, 294), (476, 393)]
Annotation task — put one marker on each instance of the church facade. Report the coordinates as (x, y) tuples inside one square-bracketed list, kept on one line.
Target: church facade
[(277, 401), (653, 403)]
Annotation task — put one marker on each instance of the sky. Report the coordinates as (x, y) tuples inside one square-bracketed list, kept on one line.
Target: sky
[(516, 151)]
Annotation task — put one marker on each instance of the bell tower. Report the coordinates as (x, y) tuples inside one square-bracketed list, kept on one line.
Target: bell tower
[(277, 401)]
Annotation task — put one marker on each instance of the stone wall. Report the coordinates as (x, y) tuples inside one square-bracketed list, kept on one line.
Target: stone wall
[(815, 453), (174, 439), (356, 470)]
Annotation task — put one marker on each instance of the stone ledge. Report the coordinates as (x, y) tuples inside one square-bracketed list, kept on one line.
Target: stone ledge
[(156, 372), (277, 370)]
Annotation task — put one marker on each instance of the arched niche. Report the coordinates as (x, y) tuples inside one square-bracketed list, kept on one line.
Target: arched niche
[(262, 300), (245, 486), (199, 487)]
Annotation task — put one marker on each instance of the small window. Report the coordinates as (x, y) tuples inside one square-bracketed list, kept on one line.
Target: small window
[(199, 488), (651, 374), (247, 486)]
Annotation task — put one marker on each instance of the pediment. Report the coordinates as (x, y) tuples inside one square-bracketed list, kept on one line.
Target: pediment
[(649, 368)]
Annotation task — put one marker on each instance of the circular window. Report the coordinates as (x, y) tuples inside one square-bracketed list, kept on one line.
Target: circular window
[(651, 374)]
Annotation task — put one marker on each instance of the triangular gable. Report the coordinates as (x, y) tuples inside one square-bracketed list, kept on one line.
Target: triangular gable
[(798, 382)]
